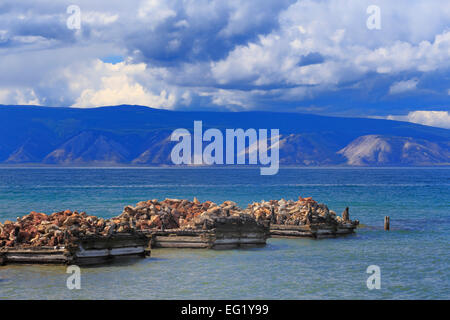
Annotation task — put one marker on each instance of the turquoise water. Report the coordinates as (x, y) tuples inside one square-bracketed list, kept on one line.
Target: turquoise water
[(413, 256)]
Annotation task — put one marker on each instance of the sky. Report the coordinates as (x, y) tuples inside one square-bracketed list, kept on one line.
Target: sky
[(377, 58)]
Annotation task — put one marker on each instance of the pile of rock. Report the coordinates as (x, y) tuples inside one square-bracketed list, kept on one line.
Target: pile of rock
[(58, 229), (66, 227), (304, 211), (182, 214)]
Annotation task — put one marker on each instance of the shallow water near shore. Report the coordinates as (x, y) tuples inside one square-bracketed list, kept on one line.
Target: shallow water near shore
[(413, 257)]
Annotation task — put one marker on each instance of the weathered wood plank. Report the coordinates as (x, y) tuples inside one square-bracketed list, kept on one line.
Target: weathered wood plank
[(87, 250)]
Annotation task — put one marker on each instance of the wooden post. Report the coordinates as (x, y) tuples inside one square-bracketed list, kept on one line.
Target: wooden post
[(346, 215), (309, 216), (386, 223), (272, 215)]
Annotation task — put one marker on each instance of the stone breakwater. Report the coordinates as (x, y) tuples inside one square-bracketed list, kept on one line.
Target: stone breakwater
[(68, 237), (302, 218), (178, 223), (182, 214), (58, 229), (193, 224)]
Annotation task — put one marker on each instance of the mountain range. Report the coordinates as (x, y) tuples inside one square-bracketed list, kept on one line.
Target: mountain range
[(136, 135)]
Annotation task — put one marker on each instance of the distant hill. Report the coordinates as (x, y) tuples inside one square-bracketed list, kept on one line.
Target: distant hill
[(386, 150), (135, 135)]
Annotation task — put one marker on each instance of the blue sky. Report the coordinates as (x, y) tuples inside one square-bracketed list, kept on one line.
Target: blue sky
[(305, 56)]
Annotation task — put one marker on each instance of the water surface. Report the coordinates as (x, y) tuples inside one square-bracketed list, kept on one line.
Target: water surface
[(413, 256)]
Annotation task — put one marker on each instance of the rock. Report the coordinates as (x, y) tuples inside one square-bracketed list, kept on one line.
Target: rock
[(304, 211), (59, 228), (64, 227), (184, 214)]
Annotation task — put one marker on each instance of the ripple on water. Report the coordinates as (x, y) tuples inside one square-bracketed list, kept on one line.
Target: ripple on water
[(413, 256)]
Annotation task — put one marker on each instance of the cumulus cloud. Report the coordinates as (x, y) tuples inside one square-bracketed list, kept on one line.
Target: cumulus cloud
[(430, 118), (122, 90), (120, 83), (276, 58), (25, 96)]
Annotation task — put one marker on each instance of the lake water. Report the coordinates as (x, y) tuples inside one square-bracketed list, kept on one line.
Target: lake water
[(413, 257)]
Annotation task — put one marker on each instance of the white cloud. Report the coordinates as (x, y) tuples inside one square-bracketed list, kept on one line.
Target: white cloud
[(351, 52), (275, 58), (403, 86), (25, 96), (4, 93), (98, 18), (114, 84), (233, 99), (430, 118), (404, 56), (121, 89), (155, 12)]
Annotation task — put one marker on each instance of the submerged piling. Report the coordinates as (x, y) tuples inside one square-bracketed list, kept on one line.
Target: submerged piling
[(386, 223)]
